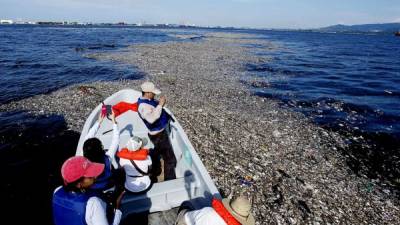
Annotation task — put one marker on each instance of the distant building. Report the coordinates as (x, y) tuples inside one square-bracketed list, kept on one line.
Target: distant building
[(49, 23), (6, 22)]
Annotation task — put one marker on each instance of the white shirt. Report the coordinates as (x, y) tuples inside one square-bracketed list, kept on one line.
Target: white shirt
[(204, 216), (114, 142), (136, 184), (150, 114), (96, 213)]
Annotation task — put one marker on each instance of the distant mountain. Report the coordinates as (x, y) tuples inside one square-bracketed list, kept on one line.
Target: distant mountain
[(382, 27)]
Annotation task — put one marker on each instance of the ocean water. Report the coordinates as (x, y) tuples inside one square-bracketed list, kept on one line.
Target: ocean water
[(349, 83), (37, 59), (353, 78)]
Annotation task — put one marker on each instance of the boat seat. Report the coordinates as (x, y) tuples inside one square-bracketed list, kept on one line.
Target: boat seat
[(162, 196)]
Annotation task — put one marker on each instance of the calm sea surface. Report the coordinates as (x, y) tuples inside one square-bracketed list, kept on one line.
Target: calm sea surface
[(349, 83), (350, 79)]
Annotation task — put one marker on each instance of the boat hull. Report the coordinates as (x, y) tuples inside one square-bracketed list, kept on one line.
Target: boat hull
[(193, 181)]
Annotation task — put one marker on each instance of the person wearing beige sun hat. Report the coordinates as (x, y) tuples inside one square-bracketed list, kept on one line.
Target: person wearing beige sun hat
[(226, 212), (240, 209)]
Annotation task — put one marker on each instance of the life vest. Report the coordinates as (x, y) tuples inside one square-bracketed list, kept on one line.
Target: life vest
[(122, 107), (161, 122), (219, 207), (103, 181), (140, 154), (69, 208)]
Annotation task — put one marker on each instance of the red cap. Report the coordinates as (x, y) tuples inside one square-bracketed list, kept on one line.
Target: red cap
[(79, 166)]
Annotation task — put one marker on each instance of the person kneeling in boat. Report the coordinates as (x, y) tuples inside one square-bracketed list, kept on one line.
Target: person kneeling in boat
[(156, 120), (94, 151), (137, 165), (74, 203), (225, 212)]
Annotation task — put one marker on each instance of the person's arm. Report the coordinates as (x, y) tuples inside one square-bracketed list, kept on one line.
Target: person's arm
[(96, 213), (115, 141), (149, 113), (93, 130)]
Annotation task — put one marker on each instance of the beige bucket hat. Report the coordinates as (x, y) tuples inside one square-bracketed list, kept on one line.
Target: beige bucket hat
[(240, 208)]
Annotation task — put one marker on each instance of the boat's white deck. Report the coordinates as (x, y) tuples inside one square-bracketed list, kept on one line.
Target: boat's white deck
[(130, 124)]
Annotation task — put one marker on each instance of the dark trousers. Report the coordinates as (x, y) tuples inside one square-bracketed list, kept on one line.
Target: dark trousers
[(163, 148)]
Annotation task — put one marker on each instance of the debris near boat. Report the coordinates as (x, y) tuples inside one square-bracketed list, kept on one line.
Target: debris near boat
[(290, 168)]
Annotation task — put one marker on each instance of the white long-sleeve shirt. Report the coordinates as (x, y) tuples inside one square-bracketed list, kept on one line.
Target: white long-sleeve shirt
[(96, 213), (150, 114), (114, 142), (204, 216)]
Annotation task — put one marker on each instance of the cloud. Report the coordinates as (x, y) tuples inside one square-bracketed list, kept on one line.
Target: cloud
[(397, 20)]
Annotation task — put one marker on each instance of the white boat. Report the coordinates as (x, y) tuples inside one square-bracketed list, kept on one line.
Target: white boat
[(193, 181)]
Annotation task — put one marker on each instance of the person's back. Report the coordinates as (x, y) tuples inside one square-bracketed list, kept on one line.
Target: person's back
[(137, 169), (69, 207), (135, 180), (204, 216)]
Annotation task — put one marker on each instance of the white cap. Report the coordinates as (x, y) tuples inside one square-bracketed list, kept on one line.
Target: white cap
[(134, 144), (149, 87)]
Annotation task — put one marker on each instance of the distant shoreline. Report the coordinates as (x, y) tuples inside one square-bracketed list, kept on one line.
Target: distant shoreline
[(217, 28)]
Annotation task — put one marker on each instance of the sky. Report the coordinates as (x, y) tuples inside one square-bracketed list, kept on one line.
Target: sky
[(235, 13)]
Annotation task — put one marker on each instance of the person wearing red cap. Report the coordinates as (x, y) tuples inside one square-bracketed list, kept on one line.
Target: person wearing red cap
[(73, 203)]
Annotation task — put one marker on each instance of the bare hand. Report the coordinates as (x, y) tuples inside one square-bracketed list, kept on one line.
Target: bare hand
[(162, 101)]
